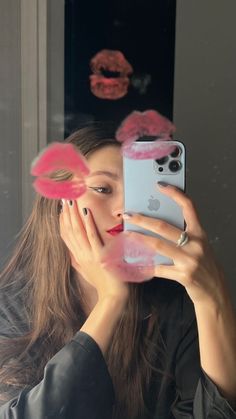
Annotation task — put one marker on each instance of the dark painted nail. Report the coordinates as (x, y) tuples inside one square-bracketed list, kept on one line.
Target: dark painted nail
[(163, 184), (71, 203), (85, 211)]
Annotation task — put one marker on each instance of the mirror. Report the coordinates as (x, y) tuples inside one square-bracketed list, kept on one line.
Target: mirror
[(66, 63)]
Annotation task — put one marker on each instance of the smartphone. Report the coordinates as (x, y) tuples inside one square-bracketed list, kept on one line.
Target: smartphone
[(142, 195)]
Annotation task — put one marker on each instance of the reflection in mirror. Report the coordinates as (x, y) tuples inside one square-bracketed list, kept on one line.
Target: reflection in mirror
[(82, 332)]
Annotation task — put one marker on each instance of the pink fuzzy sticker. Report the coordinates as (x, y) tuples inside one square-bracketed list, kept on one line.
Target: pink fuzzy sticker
[(113, 87), (67, 189), (59, 156), (155, 150), (141, 124), (123, 246)]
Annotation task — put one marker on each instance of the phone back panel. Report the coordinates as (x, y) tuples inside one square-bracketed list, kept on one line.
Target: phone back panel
[(142, 195)]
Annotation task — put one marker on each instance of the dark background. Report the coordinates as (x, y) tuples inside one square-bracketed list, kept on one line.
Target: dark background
[(144, 31)]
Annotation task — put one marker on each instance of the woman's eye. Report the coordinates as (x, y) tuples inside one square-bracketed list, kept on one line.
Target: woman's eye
[(101, 189)]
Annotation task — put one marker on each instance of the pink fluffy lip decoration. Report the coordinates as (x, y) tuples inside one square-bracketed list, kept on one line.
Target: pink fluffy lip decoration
[(141, 124), (55, 157), (114, 87), (155, 150), (124, 246)]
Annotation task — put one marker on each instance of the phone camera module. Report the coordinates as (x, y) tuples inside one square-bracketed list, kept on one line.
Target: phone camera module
[(176, 152), (163, 160), (175, 165)]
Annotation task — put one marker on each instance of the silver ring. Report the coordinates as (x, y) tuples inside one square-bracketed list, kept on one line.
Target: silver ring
[(183, 239)]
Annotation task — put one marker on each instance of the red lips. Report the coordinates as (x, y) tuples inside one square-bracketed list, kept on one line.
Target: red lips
[(117, 229), (110, 87)]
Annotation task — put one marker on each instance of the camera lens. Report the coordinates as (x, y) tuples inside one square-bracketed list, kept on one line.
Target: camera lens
[(175, 165), (163, 160), (176, 152)]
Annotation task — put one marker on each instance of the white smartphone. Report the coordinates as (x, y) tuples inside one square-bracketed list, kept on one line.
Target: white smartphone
[(142, 195)]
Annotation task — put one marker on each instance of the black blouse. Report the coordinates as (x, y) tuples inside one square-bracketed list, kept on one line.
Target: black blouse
[(77, 383)]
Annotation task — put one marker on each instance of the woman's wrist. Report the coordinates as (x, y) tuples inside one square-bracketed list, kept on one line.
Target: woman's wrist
[(103, 319), (116, 300)]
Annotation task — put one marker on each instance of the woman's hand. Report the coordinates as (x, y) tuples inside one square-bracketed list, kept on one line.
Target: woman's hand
[(195, 266), (85, 246)]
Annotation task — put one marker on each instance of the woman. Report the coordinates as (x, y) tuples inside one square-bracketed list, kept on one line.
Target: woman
[(164, 348)]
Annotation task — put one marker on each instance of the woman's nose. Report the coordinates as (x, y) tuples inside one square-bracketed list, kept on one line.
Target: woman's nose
[(118, 208), (118, 212)]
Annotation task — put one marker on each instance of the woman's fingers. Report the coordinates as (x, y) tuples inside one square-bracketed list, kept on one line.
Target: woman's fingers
[(158, 226), (75, 224), (64, 223), (74, 242), (81, 229), (166, 230), (189, 210), (163, 247), (94, 238)]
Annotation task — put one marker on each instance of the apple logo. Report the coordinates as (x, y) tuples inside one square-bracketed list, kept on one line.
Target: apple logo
[(154, 204)]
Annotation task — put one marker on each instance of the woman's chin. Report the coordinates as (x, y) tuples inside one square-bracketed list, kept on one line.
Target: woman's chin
[(110, 236)]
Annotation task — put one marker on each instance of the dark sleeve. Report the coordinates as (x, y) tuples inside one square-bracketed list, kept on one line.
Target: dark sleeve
[(76, 384), (197, 397)]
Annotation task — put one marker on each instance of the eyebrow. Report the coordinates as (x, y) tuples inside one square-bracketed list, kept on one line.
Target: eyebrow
[(106, 173)]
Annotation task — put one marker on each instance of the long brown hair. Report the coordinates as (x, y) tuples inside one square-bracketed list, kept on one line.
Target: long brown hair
[(40, 269)]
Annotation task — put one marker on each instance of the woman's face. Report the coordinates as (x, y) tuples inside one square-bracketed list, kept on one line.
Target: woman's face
[(104, 195)]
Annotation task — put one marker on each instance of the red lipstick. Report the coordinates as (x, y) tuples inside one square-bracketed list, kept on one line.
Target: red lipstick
[(115, 230)]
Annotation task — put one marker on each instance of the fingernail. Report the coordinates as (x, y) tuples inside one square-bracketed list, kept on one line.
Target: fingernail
[(127, 215), (63, 201), (162, 184), (70, 203), (85, 211)]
